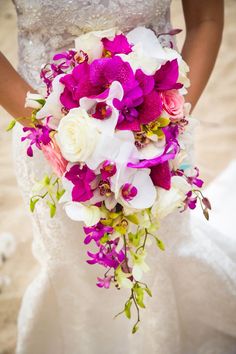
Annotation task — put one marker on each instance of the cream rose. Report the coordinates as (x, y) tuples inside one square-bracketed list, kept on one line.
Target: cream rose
[(77, 137)]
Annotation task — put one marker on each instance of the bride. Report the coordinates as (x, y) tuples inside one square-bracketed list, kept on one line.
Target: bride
[(193, 307)]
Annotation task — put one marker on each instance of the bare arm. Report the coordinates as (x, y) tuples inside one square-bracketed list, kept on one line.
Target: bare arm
[(204, 26), (13, 91)]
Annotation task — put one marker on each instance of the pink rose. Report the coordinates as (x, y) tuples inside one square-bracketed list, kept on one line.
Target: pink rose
[(173, 104), (53, 154)]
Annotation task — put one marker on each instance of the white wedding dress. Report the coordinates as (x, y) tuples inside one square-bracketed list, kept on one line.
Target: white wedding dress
[(193, 308)]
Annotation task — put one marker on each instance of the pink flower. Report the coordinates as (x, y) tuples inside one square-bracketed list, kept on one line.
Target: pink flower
[(53, 154), (173, 104)]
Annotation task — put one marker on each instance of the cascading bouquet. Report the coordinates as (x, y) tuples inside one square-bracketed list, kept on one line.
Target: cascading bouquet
[(112, 126)]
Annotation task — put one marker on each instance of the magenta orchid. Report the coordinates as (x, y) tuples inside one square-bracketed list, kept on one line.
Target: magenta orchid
[(96, 232), (81, 177), (118, 45), (37, 136)]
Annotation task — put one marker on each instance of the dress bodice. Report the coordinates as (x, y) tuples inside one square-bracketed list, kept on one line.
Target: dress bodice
[(48, 26)]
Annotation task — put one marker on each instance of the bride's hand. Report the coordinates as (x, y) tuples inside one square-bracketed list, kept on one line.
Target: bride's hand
[(13, 91)]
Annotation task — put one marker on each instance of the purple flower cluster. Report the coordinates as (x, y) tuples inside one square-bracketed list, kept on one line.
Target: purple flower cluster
[(37, 135), (107, 256)]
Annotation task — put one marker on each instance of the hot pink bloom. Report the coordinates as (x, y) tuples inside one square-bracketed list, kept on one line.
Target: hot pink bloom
[(173, 104), (53, 154), (81, 177), (117, 45)]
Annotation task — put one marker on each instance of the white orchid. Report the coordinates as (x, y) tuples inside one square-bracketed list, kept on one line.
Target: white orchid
[(53, 104), (106, 125), (147, 53), (138, 178), (90, 215), (91, 43)]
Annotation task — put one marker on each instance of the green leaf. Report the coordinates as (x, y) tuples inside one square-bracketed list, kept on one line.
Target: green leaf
[(160, 244), (11, 125), (127, 309), (33, 203), (135, 328), (132, 218), (148, 291)]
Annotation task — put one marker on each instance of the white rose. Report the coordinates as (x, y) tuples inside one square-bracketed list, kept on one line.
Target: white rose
[(34, 100), (77, 137), (169, 200), (91, 44)]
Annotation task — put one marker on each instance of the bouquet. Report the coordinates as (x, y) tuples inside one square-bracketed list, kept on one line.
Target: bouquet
[(112, 125)]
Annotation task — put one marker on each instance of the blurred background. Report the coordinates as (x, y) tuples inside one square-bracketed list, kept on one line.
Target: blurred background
[(215, 148)]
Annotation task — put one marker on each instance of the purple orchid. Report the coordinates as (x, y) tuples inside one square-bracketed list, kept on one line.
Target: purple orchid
[(67, 58), (118, 45), (77, 85), (190, 201), (104, 282), (139, 106), (194, 179), (166, 77), (107, 256), (106, 70), (51, 70), (96, 232), (37, 136), (128, 191), (81, 177)]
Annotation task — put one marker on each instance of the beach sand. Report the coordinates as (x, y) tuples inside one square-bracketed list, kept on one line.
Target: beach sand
[(215, 148)]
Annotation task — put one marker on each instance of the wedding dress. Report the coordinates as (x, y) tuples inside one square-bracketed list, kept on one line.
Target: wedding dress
[(193, 308)]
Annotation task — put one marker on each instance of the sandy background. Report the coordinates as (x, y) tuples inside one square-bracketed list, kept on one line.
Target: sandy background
[(215, 145)]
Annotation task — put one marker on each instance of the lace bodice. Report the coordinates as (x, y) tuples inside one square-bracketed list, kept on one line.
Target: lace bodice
[(47, 26)]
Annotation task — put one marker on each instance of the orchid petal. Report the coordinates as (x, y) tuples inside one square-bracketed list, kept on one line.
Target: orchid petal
[(53, 104), (79, 212), (150, 43)]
